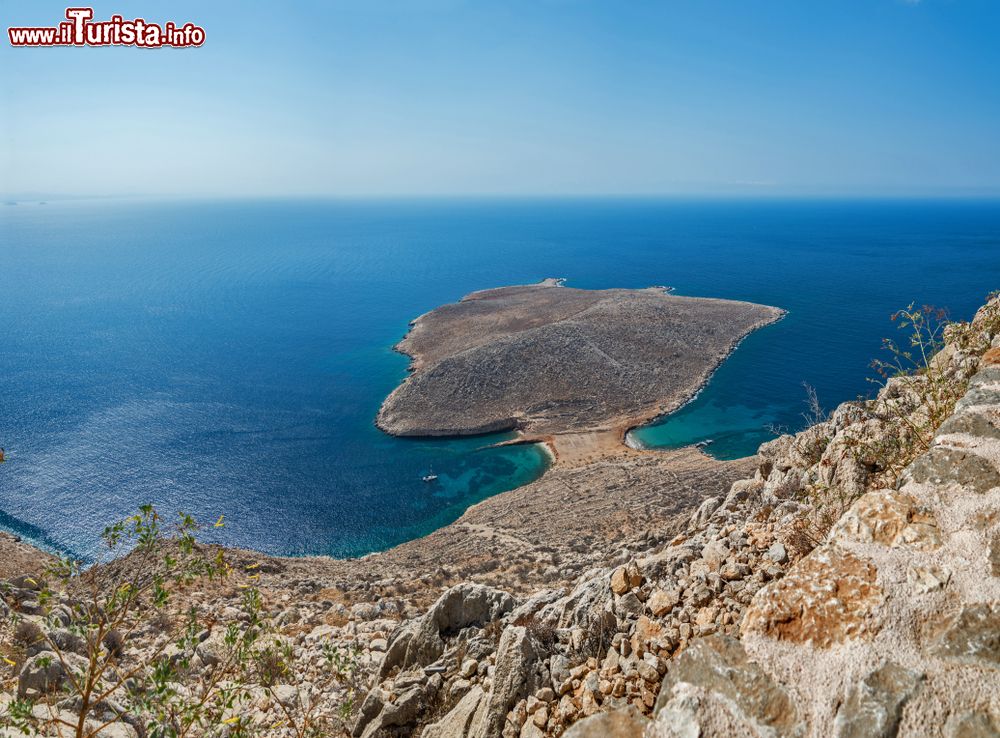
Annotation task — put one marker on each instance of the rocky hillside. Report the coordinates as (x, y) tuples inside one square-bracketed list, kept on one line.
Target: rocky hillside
[(850, 586), (761, 619)]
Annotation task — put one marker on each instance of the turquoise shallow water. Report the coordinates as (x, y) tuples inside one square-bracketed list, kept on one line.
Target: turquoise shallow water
[(229, 357)]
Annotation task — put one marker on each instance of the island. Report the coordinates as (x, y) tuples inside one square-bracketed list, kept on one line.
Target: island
[(574, 368)]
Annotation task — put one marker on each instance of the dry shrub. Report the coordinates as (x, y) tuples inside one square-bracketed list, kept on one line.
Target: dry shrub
[(921, 386), (28, 633), (540, 631), (492, 631), (597, 636)]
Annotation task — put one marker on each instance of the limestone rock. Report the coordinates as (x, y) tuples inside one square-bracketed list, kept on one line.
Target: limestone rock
[(421, 642), (774, 454), (714, 554), (663, 601), (530, 730), (946, 466), (924, 579), (213, 649), (44, 672), (971, 725), (704, 512), (973, 637), (513, 678), (740, 491), (718, 665), (534, 604), (464, 720), (400, 713), (873, 706), (628, 723), (777, 553), (888, 517), (972, 424), (666, 562), (809, 445), (679, 717), (628, 604), (826, 598), (585, 607), (619, 581)]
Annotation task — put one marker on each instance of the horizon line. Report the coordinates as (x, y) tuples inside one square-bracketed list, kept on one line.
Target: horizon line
[(29, 197)]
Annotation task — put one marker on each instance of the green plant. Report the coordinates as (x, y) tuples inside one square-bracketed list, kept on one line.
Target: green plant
[(920, 388), (920, 383), (90, 677), (89, 615)]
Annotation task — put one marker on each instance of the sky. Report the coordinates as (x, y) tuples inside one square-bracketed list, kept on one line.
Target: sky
[(513, 98)]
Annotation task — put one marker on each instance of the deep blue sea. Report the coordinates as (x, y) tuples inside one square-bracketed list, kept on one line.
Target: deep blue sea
[(229, 357)]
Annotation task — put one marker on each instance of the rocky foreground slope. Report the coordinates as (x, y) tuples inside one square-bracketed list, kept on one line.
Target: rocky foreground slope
[(848, 585), (550, 359)]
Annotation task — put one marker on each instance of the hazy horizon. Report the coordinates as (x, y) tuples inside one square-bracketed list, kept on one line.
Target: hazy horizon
[(27, 198), (446, 98)]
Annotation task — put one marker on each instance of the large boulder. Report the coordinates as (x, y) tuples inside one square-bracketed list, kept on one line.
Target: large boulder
[(627, 723), (400, 713), (587, 607), (873, 705), (513, 677), (465, 720), (826, 598), (955, 468), (713, 690), (482, 715), (421, 641), (890, 518), (45, 672), (973, 636)]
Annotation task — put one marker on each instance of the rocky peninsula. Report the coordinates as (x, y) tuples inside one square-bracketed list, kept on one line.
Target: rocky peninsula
[(559, 364)]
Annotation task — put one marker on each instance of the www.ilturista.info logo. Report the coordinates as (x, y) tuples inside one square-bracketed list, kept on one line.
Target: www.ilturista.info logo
[(79, 29)]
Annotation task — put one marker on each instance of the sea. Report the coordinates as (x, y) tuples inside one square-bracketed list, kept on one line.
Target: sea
[(226, 359)]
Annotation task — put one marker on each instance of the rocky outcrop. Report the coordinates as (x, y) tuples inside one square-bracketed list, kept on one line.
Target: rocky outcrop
[(422, 641), (713, 686), (904, 584), (829, 597), (744, 626)]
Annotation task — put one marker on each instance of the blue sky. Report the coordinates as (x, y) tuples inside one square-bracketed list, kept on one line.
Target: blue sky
[(578, 97)]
